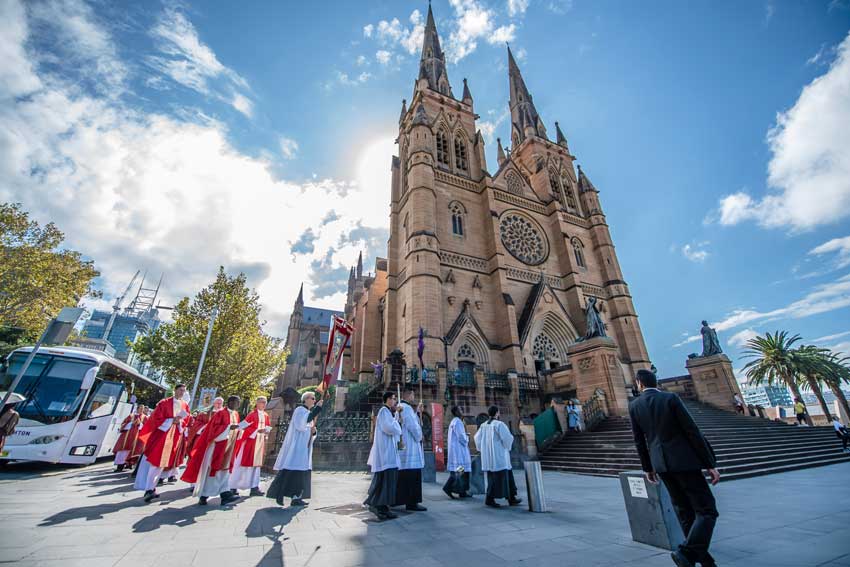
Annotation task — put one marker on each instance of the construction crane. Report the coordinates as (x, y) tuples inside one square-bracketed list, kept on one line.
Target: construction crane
[(117, 306)]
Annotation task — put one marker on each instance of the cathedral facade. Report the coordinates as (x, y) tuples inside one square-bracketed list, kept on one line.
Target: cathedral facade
[(495, 264)]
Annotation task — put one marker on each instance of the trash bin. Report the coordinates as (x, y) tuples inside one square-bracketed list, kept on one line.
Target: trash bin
[(476, 477), (429, 471), (651, 516), (534, 485)]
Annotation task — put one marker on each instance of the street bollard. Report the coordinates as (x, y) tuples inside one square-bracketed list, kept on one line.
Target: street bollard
[(534, 485)]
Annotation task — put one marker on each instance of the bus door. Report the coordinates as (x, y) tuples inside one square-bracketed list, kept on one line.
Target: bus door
[(97, 419), (122, 411)]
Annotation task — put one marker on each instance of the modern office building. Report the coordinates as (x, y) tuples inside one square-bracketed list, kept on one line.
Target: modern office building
[(766, 396)]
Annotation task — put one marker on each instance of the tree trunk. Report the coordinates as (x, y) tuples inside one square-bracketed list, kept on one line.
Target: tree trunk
[(842, 399), (813, 384), (795, 390)]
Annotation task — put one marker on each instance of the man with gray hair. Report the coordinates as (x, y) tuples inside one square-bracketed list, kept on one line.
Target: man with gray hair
[(295, 461)]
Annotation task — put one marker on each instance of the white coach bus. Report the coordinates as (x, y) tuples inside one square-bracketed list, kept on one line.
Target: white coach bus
[(74, 402)]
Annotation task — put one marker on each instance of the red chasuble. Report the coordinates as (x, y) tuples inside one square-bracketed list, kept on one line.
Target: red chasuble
[(196, 424), (161, 446), (253, 450), (222, 451), (129, 439)]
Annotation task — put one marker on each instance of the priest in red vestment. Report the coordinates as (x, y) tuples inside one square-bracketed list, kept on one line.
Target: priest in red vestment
[(161, 434), (251, 450), (209, 464), (128, 447), (196, 428)]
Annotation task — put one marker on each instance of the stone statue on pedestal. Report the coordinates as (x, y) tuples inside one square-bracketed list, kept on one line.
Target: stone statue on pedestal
[(710, 343), (595, 326)]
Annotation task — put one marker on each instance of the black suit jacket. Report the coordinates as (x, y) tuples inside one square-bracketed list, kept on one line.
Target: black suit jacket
[(666, 436)]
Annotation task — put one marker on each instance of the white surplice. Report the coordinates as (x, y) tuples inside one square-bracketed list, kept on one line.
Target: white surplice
[(458, 447), (413, 455), (494, 442), (384, 453), (296, 454)]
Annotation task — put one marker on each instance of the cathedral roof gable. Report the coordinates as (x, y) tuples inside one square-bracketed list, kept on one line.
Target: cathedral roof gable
[(532, 308), (463, 318)]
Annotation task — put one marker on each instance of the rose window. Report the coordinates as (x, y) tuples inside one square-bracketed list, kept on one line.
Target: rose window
[(523, 239)]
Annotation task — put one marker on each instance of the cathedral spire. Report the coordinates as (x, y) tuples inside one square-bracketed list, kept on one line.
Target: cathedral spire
[(524, 118), (360, 265), (500, 153), (584, 183), (467, 96), (432, 65), (403, 110), (561, 139), (299, 302)]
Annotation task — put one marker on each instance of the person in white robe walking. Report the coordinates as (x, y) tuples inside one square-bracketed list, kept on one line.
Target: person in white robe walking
[(383, 459), (295, 460), (459, 463), (412, 457), (494, 441)]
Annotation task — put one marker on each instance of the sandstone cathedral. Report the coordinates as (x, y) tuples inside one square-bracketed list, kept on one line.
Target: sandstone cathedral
[(499, 267)]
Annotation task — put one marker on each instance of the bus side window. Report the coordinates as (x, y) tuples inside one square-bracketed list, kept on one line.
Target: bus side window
[(103, 399)]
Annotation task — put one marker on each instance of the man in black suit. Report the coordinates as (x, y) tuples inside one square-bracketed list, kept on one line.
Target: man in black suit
[(672, 447)]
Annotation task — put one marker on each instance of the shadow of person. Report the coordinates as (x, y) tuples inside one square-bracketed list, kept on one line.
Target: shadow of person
[(98, 511), (180, 517), (269, 523)]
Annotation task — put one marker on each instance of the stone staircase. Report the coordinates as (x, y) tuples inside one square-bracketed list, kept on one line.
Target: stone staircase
[(745, 446)]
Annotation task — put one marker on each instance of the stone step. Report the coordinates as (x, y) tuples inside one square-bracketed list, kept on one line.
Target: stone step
[(573, 451)]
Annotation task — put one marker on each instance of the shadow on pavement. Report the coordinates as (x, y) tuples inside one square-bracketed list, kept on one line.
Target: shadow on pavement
[(98, 511), (270, 523), (180, 517)]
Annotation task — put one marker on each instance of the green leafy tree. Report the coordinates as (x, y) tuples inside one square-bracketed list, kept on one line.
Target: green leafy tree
[(242, 359), (774, 360), (811, 364), (37, 276)]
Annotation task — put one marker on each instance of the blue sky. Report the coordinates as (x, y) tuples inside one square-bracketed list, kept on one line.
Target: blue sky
[(180, 136)]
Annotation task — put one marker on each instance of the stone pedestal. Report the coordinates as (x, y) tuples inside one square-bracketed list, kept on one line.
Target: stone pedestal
[(596, 365), (714, 382), (527, 438)]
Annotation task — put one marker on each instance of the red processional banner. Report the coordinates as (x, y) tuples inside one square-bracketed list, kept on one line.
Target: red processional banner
[(340, 333), (437, 442)]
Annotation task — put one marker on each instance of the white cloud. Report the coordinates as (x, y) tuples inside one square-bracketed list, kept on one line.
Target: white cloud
[(830, 338), (140, 189), (188, 61), (839, 245), (696, 251), (809, 171), (383, 57), (367, 30), (823, 298), (502, 34), (559, 7), (489, 126), (361, 61), (517, 7), (288, 147), (346, 79), (741, 338), (820, 58)]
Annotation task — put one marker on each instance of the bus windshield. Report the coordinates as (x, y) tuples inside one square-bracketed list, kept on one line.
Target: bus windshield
[(51, 386)]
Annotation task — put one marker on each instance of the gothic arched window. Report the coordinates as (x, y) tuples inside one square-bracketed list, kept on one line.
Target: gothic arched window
[(578, 249), (514, 184), (442, 148), (554, 186), (460, 154), (568, 191), (458, 212), (465, 351), (545, 353)]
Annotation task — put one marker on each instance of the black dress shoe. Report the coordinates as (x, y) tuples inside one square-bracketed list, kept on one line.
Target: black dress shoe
[(492, 503), (150, 495), (515, 501), (172, 480), (227, 498), (202, 501), (389, 515), (464, 495), (160, 482), (449, 493), (680, 560), (415, 508), (257, 492), (297, 502)]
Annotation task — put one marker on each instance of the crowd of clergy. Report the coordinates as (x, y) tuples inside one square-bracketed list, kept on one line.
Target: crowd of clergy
[(223, 454)]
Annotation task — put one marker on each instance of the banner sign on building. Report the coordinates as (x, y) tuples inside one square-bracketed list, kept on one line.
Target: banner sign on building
[(340, 333), (437, 443)]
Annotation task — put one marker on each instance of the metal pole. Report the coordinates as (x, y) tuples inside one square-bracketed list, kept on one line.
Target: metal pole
[(26, 365), (213, 315)]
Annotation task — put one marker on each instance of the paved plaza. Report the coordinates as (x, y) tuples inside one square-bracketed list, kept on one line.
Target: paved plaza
[(90, 516)]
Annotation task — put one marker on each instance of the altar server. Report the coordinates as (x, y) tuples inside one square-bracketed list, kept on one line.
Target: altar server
[(295, 461), (251, 449), (209, 464), (459, 462), (161, 434), (412, 456), (383, 459), (494, 441)]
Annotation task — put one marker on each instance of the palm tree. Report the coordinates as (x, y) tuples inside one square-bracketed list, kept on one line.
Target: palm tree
[(836, 373), (811, 363), (773, 361)]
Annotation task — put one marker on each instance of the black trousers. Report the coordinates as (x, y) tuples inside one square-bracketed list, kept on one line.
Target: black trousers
[(844, 436), (697, 512)]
